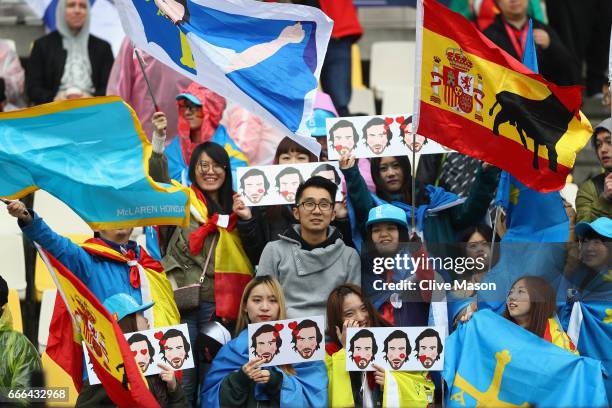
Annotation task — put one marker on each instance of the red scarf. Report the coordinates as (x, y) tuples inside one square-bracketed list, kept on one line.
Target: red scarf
[(197, 237), (145, 260), (518, 38)]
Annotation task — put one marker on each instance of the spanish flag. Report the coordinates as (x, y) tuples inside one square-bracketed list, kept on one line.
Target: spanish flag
[(475, 98), (109, 352)]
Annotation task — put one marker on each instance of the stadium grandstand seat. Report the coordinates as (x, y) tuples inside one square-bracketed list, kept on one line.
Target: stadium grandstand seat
[(392, 65), (15, 309), (46, 311), (13, 269)]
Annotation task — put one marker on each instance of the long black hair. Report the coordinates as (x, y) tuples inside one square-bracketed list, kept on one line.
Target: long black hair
[(220, 156), (405, 190)]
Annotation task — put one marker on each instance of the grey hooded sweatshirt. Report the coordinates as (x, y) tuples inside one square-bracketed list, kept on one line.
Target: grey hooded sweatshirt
[(308, 277)]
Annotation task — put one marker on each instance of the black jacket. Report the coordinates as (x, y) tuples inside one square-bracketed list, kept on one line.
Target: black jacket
[(46, 66), (556, 63)]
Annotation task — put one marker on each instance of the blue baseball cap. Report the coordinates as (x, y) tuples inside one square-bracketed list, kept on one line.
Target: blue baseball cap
[(387, 213), (316, 124), (122, 304), (601, 226), (190, 98)]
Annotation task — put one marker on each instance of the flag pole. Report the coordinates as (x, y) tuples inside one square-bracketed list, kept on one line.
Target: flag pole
[(144, 74), (413, 189), (497, 215)]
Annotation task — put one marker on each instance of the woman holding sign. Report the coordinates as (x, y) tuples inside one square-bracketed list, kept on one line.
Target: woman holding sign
[(347, 307), (205, 259), (234, 381)]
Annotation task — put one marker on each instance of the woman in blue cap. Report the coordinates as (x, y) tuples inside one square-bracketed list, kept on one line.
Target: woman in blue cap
[(129, 315), (387, 238)]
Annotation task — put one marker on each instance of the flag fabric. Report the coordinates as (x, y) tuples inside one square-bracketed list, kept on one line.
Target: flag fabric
[(104, 21), (109, 352), (491, 361), (477, 99), (149, 275), (91, 154), (265, 56), (590, 327)]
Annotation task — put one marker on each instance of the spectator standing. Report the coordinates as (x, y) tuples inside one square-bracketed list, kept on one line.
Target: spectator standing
[(509, 31), (594, 198)]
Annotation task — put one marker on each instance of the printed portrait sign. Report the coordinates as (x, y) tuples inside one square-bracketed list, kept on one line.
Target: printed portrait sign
[(274, 185), (376, 136), (167, 345), (287, 341), (395, 348)]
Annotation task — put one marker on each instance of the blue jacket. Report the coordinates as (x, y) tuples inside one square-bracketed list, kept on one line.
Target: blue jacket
[(103, 277)]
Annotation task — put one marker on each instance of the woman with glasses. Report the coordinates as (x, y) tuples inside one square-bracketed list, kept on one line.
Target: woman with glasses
[(206, 256), (200, 112)]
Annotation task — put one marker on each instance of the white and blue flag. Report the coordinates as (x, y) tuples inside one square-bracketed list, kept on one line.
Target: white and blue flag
[(266, 57)]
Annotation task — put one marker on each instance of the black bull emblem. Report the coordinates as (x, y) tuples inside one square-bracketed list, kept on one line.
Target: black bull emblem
[(545, 121)]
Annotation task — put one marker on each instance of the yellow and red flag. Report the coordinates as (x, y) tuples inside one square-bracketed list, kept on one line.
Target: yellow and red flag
[(475, 98), (109, 352)]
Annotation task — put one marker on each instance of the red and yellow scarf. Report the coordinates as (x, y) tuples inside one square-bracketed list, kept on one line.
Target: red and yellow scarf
[(233, 270)]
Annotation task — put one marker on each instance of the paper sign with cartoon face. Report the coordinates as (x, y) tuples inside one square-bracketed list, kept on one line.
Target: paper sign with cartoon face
[(287, 341), (277, 185), (395, 348), (376, 136), (166, 345)]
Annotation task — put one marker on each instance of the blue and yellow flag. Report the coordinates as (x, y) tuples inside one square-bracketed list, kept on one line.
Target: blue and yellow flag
[(493, 362), (93, 155)]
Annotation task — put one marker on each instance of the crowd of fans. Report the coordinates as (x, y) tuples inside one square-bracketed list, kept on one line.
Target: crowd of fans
[(315, 257)]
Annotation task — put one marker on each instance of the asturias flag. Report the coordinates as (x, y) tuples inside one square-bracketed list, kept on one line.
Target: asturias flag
[(493, 362), (109, 352), (93, 155), (478, 100), (265, 56)]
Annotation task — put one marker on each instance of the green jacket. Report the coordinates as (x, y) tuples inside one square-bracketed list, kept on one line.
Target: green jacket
[(18, 357), (590, 204), (440, 227), (177, 259)]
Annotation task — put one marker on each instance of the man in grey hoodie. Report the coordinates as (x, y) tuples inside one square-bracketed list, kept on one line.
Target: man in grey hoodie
[(311, 259)]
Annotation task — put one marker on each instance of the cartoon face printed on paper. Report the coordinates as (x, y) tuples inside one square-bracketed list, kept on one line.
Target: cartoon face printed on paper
[(397, 349), (142, 349), (343, 137), (254, 185), (377, 135), (327, 171), (414, 144), (287, 183), (428, 347), (306, 337), (174, 348), (266, 342), (363, 348)]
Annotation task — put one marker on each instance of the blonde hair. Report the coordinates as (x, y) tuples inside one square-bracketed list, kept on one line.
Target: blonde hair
[(275, 288), (277, 291)]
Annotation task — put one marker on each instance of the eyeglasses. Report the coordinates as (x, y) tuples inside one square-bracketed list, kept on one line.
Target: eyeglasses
[(206, 166), (310, 205), (190, 106)]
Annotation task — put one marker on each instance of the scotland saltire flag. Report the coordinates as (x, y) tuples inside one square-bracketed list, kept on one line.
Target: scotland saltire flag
[(590, 327), (104, 22), (93, 155), (493, 362), (265, 56)]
